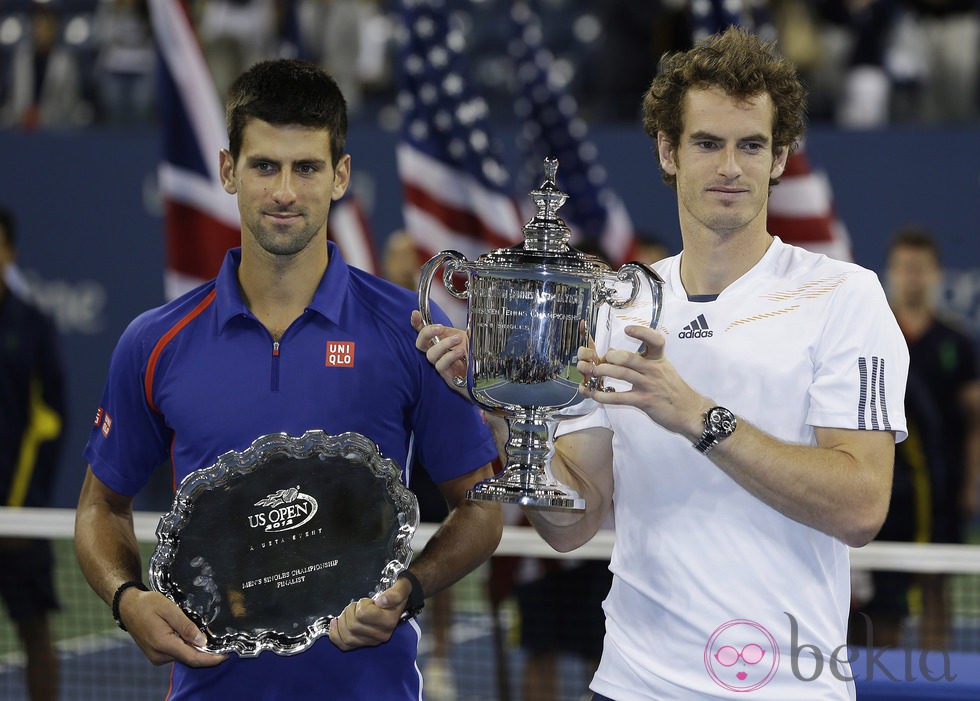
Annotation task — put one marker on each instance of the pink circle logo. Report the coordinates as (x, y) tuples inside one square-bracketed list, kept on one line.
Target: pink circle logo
[(741, 655)]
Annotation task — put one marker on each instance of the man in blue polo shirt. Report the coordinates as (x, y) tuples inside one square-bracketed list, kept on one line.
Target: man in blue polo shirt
[(287, 338)]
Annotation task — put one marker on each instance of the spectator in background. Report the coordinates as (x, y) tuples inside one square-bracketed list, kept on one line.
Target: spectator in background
[(945, 360), (125, 63), (341, 45), (32, 406), (235, 34), (887, 60), (44, 82), (938, 42), (350, 40), (849, 83)]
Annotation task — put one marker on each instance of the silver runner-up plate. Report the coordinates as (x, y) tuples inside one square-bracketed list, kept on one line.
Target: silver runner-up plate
[(266, 546)]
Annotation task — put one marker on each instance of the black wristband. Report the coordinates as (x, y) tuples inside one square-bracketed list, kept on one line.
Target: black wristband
[(118, 596), (416, 599)]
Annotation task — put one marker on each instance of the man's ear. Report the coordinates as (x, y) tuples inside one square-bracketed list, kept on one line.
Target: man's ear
[(779, 162), (341, 177), (226, 169), (665, 151)]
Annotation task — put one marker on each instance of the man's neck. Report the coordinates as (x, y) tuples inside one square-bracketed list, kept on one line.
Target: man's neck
[(278, 289), (712, 262)]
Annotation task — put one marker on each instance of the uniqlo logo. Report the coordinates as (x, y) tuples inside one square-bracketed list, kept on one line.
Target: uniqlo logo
[(98, 417), (340, 354), (106, 425)]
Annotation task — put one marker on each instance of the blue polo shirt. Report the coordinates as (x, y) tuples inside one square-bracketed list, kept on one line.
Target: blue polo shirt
[(200, 376)]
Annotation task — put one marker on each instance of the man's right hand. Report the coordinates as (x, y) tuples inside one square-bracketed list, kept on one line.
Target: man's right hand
[(445, 348), (163, 631)]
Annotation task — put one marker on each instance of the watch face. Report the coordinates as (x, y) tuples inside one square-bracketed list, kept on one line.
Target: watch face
[(721, 422)]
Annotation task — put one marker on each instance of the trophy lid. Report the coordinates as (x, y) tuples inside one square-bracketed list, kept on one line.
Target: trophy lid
[(546, 235), (546, 231)]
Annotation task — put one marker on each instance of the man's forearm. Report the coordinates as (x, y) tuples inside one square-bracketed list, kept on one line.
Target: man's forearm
[(466, 539), (581, 460), (841, 486), (106, 546), (107, 556)]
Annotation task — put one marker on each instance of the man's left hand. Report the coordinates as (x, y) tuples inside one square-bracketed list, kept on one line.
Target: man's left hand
[(370, 622)]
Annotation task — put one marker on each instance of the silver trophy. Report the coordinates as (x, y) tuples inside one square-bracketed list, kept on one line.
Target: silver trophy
[(531, 306)]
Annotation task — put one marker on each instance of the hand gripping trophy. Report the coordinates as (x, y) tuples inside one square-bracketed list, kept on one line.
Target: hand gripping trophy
[(530, 307)]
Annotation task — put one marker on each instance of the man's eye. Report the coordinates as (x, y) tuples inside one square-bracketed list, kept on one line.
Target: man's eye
[(265, 167)]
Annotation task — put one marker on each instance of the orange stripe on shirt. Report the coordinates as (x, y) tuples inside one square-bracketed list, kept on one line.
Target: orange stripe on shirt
[(151, 366)]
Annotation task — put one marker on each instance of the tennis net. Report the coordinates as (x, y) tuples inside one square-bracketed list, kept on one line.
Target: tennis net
[(486, 660)]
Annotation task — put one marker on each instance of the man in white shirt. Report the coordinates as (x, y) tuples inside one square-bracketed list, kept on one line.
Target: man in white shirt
[(750, 437)]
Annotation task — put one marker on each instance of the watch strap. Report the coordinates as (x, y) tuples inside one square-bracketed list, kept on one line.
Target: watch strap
[(706, 442)]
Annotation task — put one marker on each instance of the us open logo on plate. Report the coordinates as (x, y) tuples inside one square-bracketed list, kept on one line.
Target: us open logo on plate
[(284, 510)]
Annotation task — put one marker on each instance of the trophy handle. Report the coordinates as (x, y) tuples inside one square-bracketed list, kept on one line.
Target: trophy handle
[(635, 272), (454, 261)]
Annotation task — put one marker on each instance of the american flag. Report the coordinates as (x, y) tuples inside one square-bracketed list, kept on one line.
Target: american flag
[(201, 220), (801, 207), (801, 210), (457, 191), (552, 128), (349, 228)]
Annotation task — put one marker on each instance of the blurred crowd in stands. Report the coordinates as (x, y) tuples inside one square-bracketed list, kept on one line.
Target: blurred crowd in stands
[(867, 63)]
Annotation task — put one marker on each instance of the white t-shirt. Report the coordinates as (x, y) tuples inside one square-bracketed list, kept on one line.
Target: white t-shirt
[(716, 594)]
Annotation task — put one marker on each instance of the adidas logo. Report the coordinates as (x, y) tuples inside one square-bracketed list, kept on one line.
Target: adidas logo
[(696, 329)]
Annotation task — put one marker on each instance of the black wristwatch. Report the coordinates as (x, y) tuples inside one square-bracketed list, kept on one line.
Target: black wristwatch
[(416, 600), (719, 424)]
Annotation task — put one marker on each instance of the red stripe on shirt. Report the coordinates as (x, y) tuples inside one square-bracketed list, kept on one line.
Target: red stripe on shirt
[(151, 365)]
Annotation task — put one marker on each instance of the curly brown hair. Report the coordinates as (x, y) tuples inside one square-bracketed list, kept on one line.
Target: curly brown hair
[(742, 65)]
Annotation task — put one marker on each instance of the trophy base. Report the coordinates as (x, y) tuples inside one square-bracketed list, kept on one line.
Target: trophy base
[(530, 489)]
